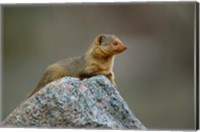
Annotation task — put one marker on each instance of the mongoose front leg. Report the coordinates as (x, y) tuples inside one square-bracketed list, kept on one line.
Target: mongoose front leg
[(111, 77)]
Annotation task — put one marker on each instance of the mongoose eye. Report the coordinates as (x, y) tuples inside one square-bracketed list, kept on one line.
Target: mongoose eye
[(115, 43)]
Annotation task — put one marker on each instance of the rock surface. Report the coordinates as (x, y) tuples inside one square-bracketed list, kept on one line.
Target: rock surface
[(71, 103)]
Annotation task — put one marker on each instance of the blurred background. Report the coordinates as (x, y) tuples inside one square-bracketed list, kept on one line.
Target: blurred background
[(155, 75)]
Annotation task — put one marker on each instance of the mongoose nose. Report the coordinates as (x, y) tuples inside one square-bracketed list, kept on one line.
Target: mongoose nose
[(125, 47)]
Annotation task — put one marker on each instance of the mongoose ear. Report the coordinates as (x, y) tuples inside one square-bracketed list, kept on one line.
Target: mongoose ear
[(100, 39)]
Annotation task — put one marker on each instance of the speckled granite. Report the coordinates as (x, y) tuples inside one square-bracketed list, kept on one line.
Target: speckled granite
[(71, 103)]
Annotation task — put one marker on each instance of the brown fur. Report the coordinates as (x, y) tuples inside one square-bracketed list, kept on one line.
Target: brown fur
[(98, 60)]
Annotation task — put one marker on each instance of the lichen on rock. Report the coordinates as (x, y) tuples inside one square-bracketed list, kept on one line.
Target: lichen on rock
[(71, 103)]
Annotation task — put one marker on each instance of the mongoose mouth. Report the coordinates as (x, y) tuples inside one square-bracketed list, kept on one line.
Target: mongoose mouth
[(125, 48)]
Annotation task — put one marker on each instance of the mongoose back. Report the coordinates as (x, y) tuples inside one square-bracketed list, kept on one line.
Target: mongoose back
[(98, 60)]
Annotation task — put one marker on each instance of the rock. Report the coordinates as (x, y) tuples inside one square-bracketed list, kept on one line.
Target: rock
[(71, 103)]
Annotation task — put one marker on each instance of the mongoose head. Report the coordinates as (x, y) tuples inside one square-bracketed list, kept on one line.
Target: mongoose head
[(109, 44)]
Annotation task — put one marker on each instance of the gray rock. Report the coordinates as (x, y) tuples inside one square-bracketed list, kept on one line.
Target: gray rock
[(71, 103)]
